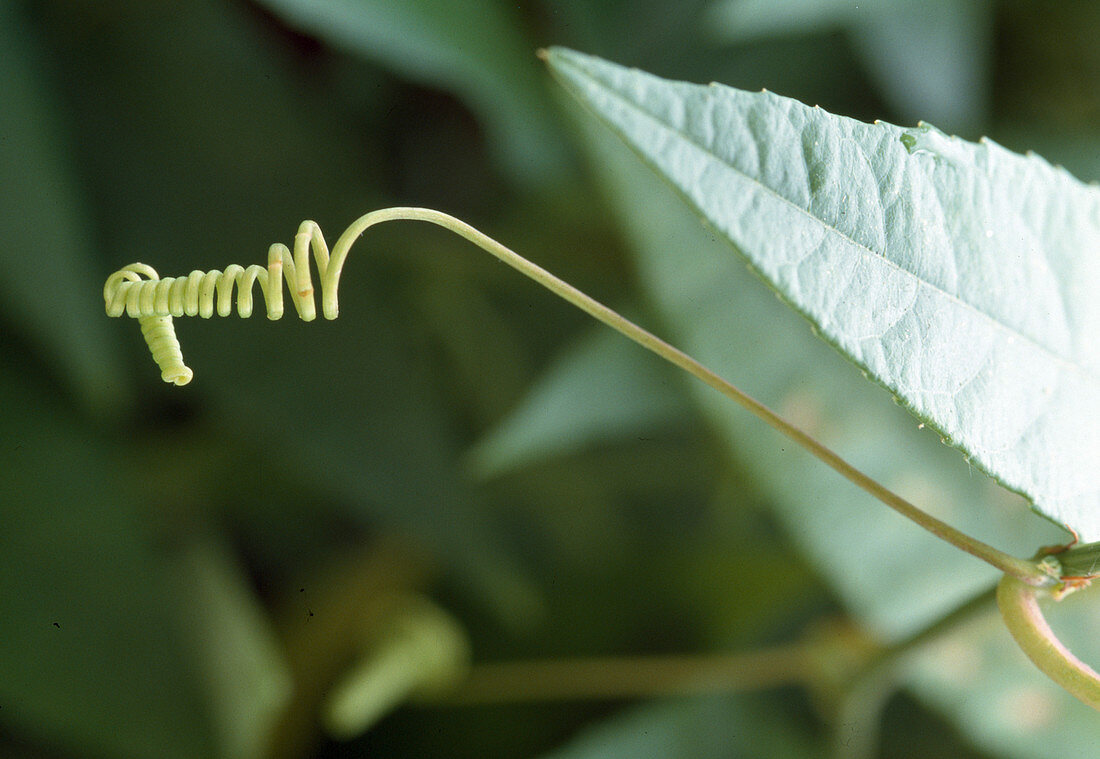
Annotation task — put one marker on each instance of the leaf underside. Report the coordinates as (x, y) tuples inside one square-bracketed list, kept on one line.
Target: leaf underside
[(960, 276), (893, 579)]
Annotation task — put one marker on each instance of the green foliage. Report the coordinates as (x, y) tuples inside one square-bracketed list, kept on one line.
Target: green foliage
[(218, 558), (473, 48), (895, 584), (597, 391), (912, 51), (702, 728), (89, 600), (953, 273), (43, 209)]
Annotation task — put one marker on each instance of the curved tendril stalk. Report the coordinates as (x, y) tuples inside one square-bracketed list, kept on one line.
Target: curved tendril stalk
[(155, 301), (1019, 605)]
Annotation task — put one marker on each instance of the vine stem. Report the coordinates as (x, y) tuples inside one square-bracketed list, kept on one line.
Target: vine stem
[(629, 677), (1019, 605), (830, 658), (1026, 571)]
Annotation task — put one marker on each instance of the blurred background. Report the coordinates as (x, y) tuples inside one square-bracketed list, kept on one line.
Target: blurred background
[(461, 465)]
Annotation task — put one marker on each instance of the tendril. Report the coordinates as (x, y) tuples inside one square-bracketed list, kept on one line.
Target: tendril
[(204, 293), (139, 292)]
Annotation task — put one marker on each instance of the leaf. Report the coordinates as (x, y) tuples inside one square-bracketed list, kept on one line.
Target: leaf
[(600, 389), (956, 274), (471, 47), (239, 661), (696, 728), (893, 577), (749, 19), (46, 253), (930, 59), (112, 642)]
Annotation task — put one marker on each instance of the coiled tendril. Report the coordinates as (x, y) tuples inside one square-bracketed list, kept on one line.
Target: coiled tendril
[(137, 291)]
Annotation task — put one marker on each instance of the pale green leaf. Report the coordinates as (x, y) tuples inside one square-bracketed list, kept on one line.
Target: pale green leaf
[(892, 576), (959, 275)]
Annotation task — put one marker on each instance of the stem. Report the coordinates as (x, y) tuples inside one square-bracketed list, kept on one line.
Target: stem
[(153, 301), (630, 677), (1026, 571), (1019, 606), (812, 661), (889, 657)]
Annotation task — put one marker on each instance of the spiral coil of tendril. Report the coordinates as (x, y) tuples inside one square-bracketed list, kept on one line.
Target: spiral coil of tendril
[(137, 291)]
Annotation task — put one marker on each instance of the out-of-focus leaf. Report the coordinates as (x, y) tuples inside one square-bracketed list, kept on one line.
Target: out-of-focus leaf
[(114, 642), (1078, 152), (703, 728), (634, 30), (49, 286), (471, 47), (359, 424), (952, 272), (980, 679), (241, 669), (893, 576), (750, 19), (930, 59), (421, 651), (601, 388)]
